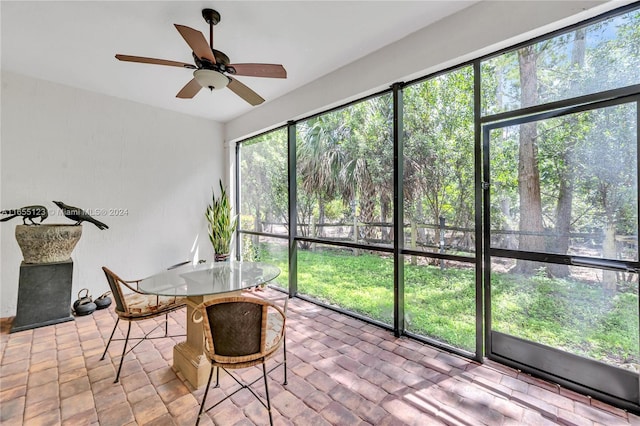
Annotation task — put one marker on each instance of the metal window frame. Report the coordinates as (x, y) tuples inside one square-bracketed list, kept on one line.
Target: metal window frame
[(482, 254)]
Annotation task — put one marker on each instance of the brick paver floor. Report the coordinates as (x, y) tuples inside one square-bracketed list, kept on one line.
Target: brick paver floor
[(341, 372)]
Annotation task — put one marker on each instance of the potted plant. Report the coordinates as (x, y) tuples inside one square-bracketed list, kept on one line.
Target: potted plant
[(221, 224)]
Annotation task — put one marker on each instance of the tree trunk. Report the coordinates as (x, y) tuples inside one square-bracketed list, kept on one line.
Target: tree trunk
[(313, 231), (528, 173), (422, 234), (563, 214), (255, 239), (510, 241), (567, 174), (367, 207), (414, 237), (321, 220), (609, 279), (387, 233)]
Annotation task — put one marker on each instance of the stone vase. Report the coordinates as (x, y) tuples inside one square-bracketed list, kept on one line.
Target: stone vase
[(47, 243)]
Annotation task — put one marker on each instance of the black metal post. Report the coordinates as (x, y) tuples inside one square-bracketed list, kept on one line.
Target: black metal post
[(398, 212), (237, 186), (638, 201), (478, 161), (293, 208)]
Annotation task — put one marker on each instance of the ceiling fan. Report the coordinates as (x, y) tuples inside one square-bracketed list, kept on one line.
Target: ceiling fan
[(212, 67)]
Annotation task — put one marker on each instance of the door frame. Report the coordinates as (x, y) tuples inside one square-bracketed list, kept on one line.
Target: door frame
[(609, 383)]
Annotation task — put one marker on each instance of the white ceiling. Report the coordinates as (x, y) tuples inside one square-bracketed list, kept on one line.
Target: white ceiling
[(74, 43)]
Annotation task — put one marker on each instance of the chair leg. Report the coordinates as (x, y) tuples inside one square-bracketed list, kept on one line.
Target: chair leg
[(166, 324), (266, 390), (110, 337), (284, 363), (124, 350), (204, 397), (217, 376)]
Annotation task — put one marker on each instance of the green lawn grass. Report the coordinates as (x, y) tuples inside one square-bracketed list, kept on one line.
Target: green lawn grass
[(440, 303)]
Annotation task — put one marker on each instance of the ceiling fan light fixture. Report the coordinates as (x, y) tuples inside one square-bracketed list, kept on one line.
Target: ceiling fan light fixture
[(211, 79)]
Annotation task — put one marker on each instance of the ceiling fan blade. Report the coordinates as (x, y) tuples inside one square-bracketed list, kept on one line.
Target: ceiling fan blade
[(196, 41), (189, 90), (244, 92), (142, 59), (260, 70)]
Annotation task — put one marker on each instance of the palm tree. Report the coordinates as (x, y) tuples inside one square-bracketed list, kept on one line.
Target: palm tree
[(344, 154)]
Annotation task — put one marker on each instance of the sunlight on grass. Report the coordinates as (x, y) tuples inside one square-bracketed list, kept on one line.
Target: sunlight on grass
[(362, 284), (578, 317), (440, 303)]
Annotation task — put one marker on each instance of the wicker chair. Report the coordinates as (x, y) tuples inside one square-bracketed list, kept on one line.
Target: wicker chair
[(240, 332), (132, 305), (283, 303)]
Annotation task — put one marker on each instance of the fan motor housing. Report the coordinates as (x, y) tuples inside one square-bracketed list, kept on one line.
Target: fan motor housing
[(222, 60)]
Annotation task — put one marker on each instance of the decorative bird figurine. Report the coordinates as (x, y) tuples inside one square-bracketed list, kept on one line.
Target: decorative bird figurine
[(79, 215), (27, 213)]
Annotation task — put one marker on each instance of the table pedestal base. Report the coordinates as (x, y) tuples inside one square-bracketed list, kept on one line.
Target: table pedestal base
[(195, 367), (188, 357)]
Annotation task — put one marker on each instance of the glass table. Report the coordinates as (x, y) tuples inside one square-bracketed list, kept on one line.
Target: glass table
[(199, 283)]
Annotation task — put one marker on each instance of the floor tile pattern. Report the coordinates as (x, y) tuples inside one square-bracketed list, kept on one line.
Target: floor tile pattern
[(342, 371)]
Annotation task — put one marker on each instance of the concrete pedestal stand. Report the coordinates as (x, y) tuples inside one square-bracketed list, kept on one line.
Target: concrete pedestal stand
[(44, 286), (44, 295)]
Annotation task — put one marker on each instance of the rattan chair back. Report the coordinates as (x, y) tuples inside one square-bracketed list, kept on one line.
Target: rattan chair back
[(236, 330), (116, 289)]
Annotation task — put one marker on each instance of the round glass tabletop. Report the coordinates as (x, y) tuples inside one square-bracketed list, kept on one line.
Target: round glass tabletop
[(209, 278)]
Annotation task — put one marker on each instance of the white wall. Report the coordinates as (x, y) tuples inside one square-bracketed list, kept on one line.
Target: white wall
[(480, 29), (94, 151)]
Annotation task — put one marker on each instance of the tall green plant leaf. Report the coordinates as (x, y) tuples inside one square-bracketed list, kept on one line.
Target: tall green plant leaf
[(221, 224)]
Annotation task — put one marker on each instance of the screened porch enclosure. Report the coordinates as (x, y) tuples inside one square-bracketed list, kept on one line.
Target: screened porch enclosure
[(490, 209)]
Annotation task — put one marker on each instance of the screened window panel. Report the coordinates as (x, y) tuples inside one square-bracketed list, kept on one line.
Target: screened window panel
[(580, 196), (601, 56), (345, 174), (580, 314), (348, 279), (264, 190), (440, 300), (258, 248), (438, 170)]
